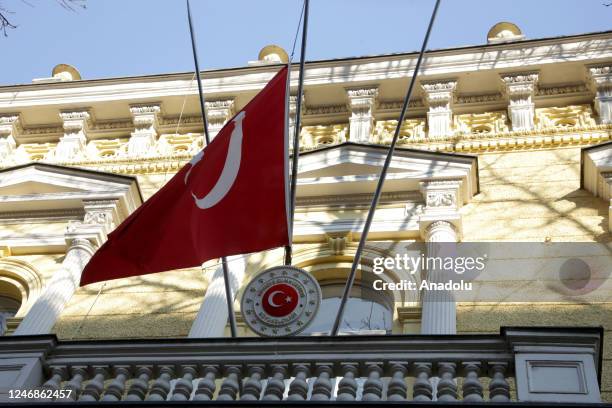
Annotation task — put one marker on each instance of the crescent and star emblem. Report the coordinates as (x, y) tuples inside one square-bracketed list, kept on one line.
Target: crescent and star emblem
[(229, 171)]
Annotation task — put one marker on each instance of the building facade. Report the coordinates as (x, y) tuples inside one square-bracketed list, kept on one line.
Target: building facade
[(508, 141)]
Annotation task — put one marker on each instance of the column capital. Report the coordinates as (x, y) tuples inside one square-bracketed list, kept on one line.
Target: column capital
[(600, 78), (76, 124), (520, 82), (361, 104), (99, 219), (218, 112), (10, 130), (439, 91), (145, 117), (520, 88), (438, 97)]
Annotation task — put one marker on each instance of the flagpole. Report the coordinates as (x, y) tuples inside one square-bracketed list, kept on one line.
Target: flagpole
[(228, 290), (381, 180), (296, 136)]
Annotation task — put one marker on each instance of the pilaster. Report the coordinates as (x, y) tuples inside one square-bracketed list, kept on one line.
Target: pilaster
[(76, 125), (439, 99), (10, 130), (600, 77), (218, 113), (520, 88), (361, 104), (145, 118)]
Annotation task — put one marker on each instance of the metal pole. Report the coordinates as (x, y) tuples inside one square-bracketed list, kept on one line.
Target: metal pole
[(381, 180), (296, 137), (228, 290)]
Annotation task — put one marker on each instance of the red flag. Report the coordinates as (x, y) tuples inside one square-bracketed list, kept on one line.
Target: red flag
[(230, 199)]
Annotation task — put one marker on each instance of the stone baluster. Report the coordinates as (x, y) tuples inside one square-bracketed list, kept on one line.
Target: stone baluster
[(251, 389), (161, 386), (361, 105), (322, 387), (76, 382), (230, 386), (601, 80), (472, 388), (447, 388), (184, 386), (44, 313), (298, 389), (347, 389), (275, 389), (422, 389), (93, 390), (397, 389), (115, 390), (140, 386), (439, 99), (499, 389), (373, 387), (207, 386), (520, 88), (58, 374), (10, 130)]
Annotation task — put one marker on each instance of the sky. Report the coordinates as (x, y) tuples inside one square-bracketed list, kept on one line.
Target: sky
[(113, 38)]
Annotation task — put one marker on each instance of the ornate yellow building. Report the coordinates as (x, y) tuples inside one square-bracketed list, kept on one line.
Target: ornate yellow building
[(504, 142)]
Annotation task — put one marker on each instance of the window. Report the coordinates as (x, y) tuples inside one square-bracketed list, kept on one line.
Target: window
[(367, 311), (8, 308)]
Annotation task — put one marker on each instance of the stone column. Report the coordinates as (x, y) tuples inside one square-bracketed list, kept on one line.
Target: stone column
[(439, 98), (73, 144), (520, 89), (145, 119), (10, 129), (440, 226), (212, 316), (44, 313), (361, 103), (439, 309), (601, 81), (218, 113)]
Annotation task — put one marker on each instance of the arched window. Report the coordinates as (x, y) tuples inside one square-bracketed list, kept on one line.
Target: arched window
[(10, 302), (367, 311)]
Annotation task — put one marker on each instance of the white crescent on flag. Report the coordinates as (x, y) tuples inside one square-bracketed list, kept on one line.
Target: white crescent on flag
[(229, 171)]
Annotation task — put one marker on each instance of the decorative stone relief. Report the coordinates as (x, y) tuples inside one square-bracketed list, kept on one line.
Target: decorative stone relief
[(218, 113), (145, 119), (361, 104), (481, 123), (439, 96), (72, 145), (411, 129), (520, 89), (314, 136), (601, 81), (10, 129), (441, 196), (564, 117)]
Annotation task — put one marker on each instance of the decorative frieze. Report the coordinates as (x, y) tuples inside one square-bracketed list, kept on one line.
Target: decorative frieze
[(574, 116), (10, 130), (361, 102), (73, 144), (601, 80), (411, 129), (439, 96), (145, 119), (481, 123), (520, 88), (316, 136), (218, 113)]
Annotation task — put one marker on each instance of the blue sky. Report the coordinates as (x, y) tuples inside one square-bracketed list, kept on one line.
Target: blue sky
[(134, 37)]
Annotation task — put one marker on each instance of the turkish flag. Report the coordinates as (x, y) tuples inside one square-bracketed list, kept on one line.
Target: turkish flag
[(230, 199)]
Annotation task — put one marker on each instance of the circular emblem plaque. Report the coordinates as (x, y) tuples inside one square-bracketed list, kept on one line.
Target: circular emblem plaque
[(281, 301)]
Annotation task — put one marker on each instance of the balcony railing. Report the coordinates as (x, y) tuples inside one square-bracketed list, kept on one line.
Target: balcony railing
[(518, 365)]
